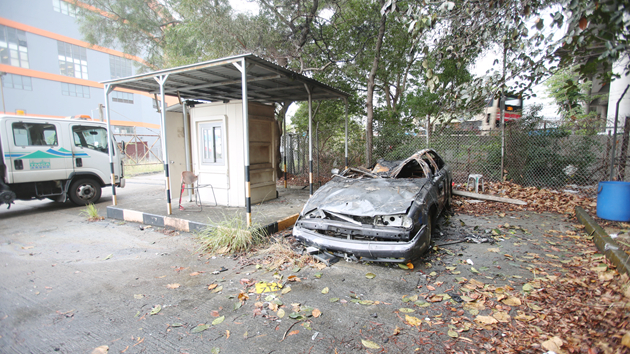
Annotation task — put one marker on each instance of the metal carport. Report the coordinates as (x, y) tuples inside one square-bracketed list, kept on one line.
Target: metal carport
[(243, 77)]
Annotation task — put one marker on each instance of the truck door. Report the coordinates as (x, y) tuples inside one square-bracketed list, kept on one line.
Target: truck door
[(90, 151), (35, 151)]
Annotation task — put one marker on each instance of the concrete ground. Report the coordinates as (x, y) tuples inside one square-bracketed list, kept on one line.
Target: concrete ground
[(70, 286)]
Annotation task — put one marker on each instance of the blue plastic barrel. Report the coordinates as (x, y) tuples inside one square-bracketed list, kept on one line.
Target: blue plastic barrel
[(613, 200)]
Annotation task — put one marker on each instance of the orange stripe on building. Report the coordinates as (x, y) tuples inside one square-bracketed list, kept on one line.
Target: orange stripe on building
[(48, 34), (72, 80)]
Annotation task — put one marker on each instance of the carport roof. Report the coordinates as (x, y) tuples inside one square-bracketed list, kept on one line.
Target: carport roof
[(220, 80)]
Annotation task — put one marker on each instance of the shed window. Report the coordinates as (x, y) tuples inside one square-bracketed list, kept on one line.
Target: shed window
[(211, 143)]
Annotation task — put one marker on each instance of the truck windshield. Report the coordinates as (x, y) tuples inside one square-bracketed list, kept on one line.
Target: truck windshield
[(94, 138)]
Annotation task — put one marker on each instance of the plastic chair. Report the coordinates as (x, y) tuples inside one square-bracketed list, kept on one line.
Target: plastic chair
[(476, 178), (190, 182)]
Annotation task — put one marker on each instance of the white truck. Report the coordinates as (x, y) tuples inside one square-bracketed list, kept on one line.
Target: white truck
[(55, 159)]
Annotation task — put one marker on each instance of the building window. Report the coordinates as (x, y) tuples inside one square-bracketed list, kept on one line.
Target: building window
[(72, 60), (211, 143), (65, 8), (122, 97), (123, 129), (119, 67), (13, 49), (29, 134), (75, 90), (17, 82)]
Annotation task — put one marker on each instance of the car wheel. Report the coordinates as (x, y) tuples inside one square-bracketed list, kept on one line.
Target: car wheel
[(84, 191)]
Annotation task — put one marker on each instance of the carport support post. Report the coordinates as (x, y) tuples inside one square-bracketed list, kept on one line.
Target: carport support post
[(108, 88), (161, 80), (346, 124), (187, 143), (242, 67), (310, 140), (284, 131)]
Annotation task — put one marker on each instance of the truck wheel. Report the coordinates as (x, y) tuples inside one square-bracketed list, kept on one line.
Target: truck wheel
[(84, 191)]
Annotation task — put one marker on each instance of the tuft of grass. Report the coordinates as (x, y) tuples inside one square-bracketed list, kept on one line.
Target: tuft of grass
[(91, 213), (231, 236), (140, 169)]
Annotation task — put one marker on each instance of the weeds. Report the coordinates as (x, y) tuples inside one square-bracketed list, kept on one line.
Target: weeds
[(91, 213), (230, 236), (281, 255)]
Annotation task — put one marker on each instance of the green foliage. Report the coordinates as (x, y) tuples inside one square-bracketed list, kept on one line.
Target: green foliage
[(231, 236), (572, 95), (90, 212)]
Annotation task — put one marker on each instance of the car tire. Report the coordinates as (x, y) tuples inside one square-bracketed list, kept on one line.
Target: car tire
[(84, 191)]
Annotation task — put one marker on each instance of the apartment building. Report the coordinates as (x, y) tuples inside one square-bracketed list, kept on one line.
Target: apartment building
[(48, 70)]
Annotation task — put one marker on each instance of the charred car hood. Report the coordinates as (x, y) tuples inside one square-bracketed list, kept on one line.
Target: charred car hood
[(366, 197)]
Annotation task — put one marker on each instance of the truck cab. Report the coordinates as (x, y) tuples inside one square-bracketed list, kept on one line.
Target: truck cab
[(54, 158)]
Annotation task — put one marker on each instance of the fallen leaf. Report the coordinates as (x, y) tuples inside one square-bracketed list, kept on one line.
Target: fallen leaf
[(227, 334), (318, 275), (410, 265), (501, 316), (370, 276), (280, 313), (216, 350), (316, 313), (495, 250), (218, 320), (103, 349), (512, 301), (177, 324), (452, 333), (172, 286), (293, 332), (200, 328), (334, 299), (325, 290), (28, 248), (625, 340), (486, 320), (138, 296), (286, 290), (413, 321), (370, 344), (217, 289), (108, 257), (242, 296), (212, 286), (194, 273), (156, 309), (403, 266), (406, 310), (553, 344)]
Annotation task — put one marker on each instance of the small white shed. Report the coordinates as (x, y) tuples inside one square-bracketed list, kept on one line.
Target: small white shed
[(230, 141)]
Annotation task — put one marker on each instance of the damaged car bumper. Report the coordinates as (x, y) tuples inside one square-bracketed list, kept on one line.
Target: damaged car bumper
[(369, 250)]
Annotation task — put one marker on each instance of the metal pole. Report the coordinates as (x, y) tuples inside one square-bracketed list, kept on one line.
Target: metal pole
[(286, 151), (318, 150), (242, 67), (187, 144), (107, 89), (161, 80), (346, 144), (502, 117), (612, 161), (310, 140), (427, 129)]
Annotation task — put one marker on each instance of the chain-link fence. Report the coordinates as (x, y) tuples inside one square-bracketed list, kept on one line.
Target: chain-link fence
[(545, 157)]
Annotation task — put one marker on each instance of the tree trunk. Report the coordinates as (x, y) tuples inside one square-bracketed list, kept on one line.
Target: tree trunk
[(280, 117), (370, 91)]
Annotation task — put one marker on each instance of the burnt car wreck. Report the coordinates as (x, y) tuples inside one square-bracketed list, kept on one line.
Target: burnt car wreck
[(386, 214)]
